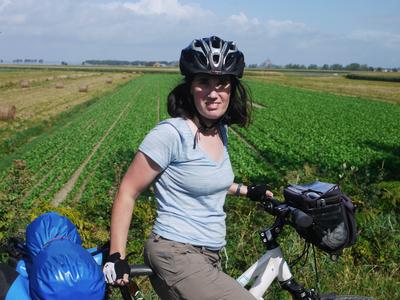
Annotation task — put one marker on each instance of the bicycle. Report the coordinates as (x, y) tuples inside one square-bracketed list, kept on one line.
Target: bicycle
[(270, 266), (257, 278)]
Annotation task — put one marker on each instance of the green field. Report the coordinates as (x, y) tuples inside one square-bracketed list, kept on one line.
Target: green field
[(296, 135)]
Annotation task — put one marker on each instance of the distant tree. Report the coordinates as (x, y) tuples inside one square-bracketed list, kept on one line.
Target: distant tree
[(325, 67), (312, 67), (336, 67), (353, 67), (252, 66), (295, 66), (371, 69), (30, 61), (40, 61), (289, 66), (64, 63), (395, 70)]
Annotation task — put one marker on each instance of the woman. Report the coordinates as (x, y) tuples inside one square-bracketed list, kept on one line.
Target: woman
[(186, 157)]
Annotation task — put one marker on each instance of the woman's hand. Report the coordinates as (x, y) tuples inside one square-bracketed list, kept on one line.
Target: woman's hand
[(258, 192), (116, 270)]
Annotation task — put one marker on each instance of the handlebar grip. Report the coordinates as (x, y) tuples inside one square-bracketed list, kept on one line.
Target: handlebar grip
[(300, 218)]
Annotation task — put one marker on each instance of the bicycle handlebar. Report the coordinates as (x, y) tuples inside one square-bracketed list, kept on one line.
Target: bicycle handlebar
[(286, 212), (140, 270)]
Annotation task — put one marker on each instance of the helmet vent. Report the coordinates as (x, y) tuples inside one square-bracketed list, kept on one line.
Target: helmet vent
[(229, 60), (202, 60), (215, 43), (197, 43), (215, 58)]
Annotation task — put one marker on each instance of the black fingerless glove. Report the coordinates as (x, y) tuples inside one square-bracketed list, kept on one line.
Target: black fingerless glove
[(121, 266), (256, 192)]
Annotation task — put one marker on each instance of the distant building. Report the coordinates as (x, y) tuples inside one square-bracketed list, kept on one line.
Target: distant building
[(266, 64)]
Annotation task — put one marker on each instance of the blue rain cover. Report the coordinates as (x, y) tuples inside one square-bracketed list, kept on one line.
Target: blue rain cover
[(48, 227), (65, 270)]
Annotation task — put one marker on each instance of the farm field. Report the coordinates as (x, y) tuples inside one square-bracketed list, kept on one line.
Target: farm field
[(335, 83), (39, 95), (296, 135)]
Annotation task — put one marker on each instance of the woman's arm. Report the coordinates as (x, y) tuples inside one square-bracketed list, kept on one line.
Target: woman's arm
[(234, 188), (139, 176)]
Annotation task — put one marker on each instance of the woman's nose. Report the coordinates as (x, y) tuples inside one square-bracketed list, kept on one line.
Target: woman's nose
[(213, 93)]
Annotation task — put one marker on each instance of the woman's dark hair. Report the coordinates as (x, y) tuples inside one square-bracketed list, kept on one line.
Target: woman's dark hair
[(181, 103)]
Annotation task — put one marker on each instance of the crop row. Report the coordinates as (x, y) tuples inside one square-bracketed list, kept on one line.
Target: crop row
[(52, 159), (100, 178), (298, 126)]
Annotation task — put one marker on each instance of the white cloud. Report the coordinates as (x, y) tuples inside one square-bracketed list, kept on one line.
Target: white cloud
[(242, 20), (4, 3), (91, 20), (276, 28), (162, 7), (388, 39)]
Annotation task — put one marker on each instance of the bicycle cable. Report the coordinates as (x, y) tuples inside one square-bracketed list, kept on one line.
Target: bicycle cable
[(304, 252), (316, 269)]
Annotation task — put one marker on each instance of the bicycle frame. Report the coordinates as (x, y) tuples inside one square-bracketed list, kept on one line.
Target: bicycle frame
[(262, 273), (272, 264)]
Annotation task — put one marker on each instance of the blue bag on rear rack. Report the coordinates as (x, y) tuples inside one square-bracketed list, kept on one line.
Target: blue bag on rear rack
[(333, 213), (58, 266)]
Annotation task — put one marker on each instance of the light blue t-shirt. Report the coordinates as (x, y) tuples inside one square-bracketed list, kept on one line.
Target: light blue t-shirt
[(191, 188)]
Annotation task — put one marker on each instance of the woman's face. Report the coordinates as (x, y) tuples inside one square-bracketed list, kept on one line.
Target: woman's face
[(211, 95)]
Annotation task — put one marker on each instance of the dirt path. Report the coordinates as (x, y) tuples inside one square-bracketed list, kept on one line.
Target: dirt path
[(62, 194)]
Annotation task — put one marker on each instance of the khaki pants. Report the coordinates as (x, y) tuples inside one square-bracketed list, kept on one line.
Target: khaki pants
[(183, 271)]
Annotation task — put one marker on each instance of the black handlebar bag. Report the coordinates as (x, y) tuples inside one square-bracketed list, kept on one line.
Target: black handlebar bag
[(333, 213)]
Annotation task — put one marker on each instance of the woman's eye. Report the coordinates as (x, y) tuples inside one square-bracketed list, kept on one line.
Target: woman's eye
[(223, 82)]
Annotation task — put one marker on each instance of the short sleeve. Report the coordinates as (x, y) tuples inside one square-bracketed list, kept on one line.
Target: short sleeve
[(161, 144)]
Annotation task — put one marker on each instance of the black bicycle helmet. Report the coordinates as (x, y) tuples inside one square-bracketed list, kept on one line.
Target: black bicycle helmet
[(212, 56)]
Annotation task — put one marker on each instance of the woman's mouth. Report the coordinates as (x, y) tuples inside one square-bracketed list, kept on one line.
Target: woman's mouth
[(212, 105)]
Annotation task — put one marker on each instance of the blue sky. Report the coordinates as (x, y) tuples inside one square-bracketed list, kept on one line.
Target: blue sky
[(285, 31)]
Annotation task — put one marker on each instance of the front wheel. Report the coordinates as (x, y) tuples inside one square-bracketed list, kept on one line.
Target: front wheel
[(342, 297)]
